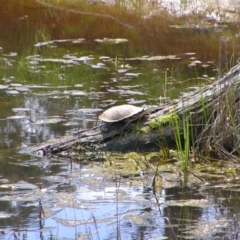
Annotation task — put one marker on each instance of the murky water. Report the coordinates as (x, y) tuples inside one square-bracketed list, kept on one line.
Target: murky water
[(58, 70)]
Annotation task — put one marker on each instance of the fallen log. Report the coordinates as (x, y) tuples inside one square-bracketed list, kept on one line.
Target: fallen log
[(210, 111)]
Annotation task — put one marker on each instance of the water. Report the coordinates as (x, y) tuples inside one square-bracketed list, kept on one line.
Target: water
[(57, 73)]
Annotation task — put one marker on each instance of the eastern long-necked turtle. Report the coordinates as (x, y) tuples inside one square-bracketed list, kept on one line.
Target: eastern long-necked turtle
[(126, 112)]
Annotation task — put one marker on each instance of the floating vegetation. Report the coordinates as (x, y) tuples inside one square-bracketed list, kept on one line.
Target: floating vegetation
[(98, 65), (15, 85), (75, 41), (130, 92), (76, 93), (16, 117), (12, 92), (22, 89), (53, 120), (200, 203), (112, 40), (21, 185), (90, 110), (54, 77), (21, 109), (3, 87), (65, 61), (132, 74), (154, 58)]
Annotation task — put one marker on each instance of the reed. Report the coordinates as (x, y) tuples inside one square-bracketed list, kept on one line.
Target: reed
[(183, 146)]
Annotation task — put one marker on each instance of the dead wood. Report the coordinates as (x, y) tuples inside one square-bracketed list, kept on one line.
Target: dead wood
[(214, 119)]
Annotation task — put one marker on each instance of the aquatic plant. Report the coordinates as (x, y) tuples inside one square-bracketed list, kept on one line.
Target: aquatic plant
[(220, 135), (183, 148)]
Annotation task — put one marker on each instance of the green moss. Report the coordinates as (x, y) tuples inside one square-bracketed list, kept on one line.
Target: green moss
[(163, 121), (139, 129)]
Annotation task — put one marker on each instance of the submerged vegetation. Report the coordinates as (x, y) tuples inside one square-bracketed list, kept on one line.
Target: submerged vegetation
[(62, 63)]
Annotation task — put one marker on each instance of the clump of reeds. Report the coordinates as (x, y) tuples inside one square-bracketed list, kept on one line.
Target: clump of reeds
[(183, 148), (220, 133)]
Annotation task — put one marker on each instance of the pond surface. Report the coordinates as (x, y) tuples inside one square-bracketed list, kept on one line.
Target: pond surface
[(58, 70)]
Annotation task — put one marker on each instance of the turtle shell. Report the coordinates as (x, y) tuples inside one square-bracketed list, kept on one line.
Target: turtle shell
[(119, 113)]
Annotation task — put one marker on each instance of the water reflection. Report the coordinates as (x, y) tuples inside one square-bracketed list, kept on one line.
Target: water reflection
[(91, 200), (55, 79)]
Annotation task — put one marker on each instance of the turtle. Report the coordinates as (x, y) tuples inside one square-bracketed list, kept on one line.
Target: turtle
[(126, 112)]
